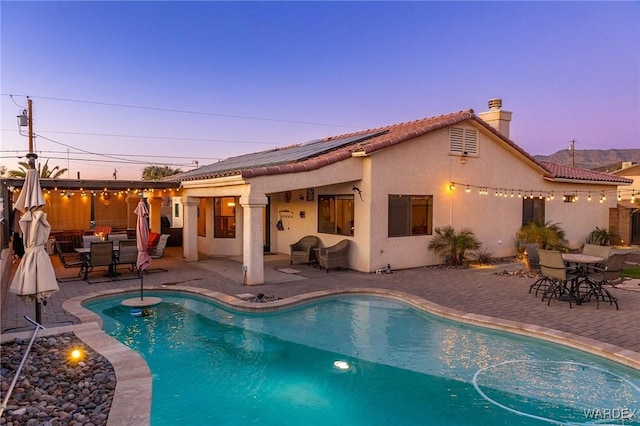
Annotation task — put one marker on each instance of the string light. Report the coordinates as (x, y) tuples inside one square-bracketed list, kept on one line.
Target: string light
[(548, 195)]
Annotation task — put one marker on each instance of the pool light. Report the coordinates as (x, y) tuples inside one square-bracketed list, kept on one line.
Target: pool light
[(341, 365)]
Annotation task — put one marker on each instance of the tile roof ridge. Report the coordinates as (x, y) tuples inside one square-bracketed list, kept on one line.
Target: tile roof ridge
[(436, 118)]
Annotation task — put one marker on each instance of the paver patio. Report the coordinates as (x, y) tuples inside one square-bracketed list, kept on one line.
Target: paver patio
[(480, 295)]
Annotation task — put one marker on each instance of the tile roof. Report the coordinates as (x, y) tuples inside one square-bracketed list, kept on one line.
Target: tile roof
[(560, 171), (323, 152)]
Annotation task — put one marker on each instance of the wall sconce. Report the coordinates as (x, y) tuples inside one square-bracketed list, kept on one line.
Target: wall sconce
[(356, 189), (463, 160), (302, 214)]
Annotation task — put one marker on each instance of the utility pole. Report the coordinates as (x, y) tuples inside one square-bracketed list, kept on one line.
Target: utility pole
[(31, 156), (572, 148)]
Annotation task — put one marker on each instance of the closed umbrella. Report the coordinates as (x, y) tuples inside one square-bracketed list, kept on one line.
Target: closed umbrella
[(35, 278), (142, 239)]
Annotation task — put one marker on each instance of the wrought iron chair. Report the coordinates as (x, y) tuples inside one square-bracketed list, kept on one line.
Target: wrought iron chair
[(562, 283), (302, 250)]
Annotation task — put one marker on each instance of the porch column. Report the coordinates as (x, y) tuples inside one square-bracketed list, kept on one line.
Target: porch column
[(190, 228), (252, 239), (155, 203)]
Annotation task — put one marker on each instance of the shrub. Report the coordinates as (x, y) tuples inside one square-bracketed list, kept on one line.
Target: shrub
[(600, 236), (483, 256), (548, 236), (454, 245)]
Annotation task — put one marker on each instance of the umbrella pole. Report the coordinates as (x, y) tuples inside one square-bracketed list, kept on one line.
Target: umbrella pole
[(141, 274), (24, 359), (38, 312)]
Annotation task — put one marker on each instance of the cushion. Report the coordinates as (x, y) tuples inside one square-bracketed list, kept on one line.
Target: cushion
[(154, 237)]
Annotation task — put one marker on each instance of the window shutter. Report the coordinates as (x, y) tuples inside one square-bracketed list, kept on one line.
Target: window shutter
[(463, 141), (456, 140), (471, 142)]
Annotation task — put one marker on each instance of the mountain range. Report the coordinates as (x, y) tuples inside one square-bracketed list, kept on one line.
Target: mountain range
[(606, 160)]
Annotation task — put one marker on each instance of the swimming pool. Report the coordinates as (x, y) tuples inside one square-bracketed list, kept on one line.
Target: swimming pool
[(360, 360)]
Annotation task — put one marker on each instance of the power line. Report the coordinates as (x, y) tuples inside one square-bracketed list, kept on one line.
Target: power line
[(127, 154), (181, 111), (149, 137)]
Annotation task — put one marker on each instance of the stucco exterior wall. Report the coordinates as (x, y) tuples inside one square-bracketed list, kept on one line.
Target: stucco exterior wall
[(422, 166)]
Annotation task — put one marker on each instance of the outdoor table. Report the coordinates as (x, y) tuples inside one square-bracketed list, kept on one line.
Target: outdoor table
[(581, 261)]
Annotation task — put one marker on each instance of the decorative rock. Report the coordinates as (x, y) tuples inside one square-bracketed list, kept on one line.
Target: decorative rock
[(52, 391)]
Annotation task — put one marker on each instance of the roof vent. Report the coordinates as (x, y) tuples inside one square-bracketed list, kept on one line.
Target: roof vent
[(495, 103)]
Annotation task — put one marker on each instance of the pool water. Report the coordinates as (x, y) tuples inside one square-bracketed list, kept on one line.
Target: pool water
[(360, 360)]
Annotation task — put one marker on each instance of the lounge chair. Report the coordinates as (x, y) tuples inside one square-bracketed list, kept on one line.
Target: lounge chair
[(302, 251), (158, 251), (335, 256)]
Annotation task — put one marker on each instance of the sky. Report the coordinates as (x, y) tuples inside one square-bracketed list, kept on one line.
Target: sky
[(118, 86)]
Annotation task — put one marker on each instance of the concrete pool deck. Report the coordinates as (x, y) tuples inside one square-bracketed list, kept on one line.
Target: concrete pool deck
[(475, 295)]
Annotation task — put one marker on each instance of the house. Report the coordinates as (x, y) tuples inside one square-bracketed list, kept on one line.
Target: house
[(625, 219), (386, 190)]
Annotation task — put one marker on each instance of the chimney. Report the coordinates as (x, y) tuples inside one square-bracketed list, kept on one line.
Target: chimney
[(496, 117)]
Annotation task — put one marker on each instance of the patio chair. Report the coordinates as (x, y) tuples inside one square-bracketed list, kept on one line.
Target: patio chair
[(88, 239), (127, 255), (302, 251), (562, 283), (158, 251), (100, 254), (116, 238), (335, 256), (68, 263), (597, 251), (532, 260), (598, 278)]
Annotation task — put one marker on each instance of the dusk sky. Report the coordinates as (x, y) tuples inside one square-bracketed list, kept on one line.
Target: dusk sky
[(121, 85)]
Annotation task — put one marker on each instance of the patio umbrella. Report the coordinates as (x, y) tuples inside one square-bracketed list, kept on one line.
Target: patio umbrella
[(35, 278), (142, 239)]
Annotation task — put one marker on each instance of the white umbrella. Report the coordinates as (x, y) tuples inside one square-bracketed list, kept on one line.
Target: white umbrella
[(142, 239), (35, 278)]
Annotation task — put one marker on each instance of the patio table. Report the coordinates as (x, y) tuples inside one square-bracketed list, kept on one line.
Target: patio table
[(581, 261)]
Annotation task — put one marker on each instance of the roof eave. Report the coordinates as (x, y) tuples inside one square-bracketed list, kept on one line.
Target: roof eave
[(589, 182)]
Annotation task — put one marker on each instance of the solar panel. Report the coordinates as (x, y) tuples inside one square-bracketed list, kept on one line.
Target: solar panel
[(278, 155)]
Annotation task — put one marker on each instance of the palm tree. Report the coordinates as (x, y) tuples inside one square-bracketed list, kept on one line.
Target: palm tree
[(43, 170), (454, 244), (158, 172)]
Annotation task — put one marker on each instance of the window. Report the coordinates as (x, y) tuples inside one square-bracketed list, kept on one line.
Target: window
[(463, 141), (335, 214), (410, 215), (224, 217), (533, 211)]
